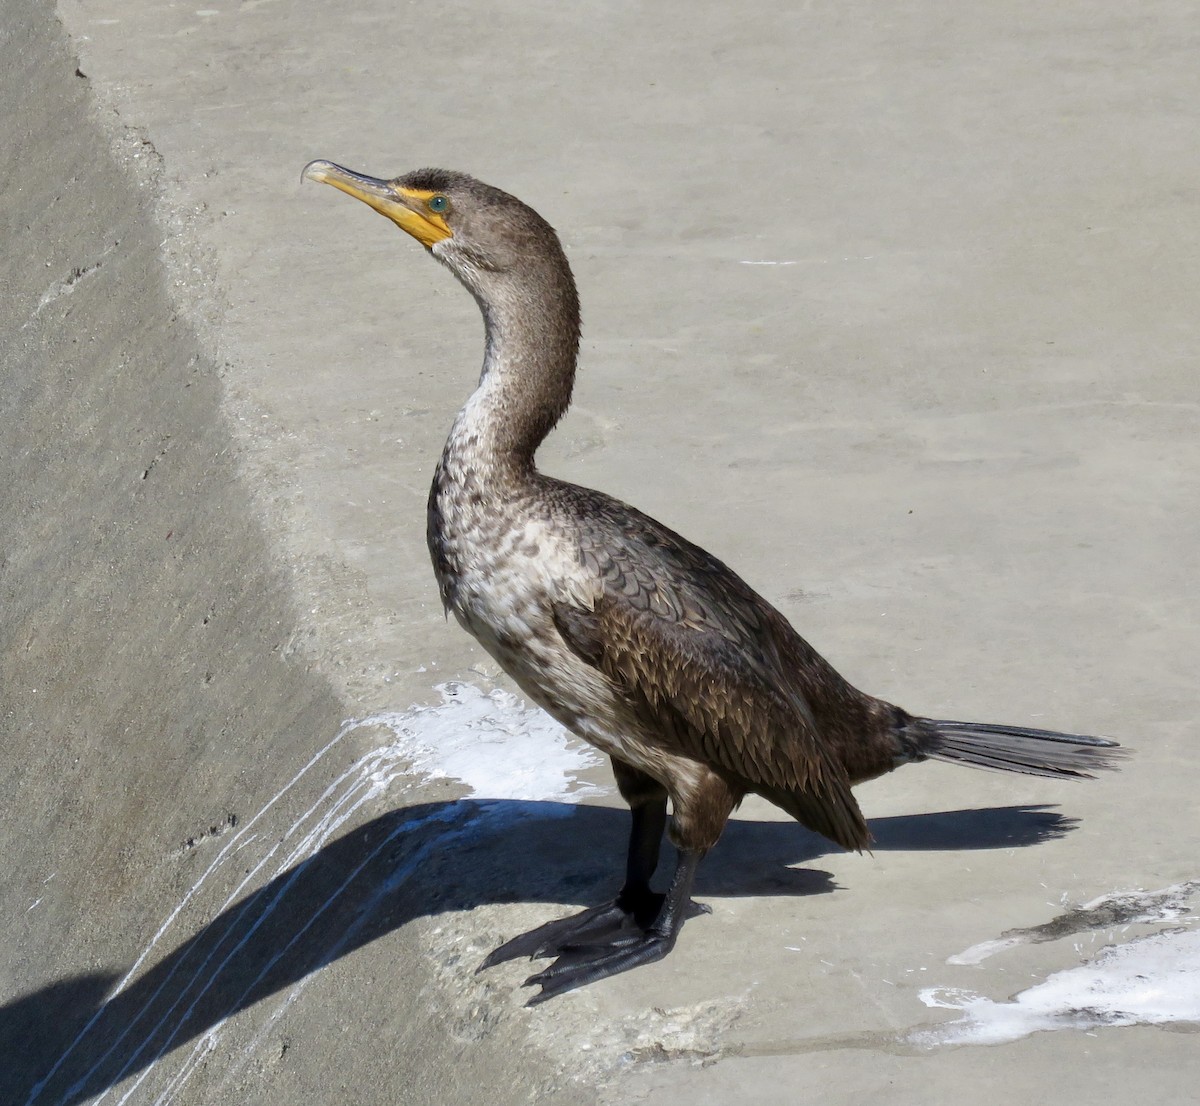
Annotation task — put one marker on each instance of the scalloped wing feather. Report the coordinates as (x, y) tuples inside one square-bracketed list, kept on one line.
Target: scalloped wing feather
[(697, 651)]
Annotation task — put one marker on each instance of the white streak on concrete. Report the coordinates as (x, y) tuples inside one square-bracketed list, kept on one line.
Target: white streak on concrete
[(67, 286), (492, 743), (489, 741), (977, 954), (1151, 981), (1115, 908), (167, 924)]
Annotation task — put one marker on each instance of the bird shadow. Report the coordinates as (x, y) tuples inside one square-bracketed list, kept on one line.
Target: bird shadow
[(74, 1038)]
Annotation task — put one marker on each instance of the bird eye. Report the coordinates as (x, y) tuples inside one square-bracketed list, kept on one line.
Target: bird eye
[(438, 204)]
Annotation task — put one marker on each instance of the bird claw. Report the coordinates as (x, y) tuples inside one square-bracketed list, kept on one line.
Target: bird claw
[(594, 944), (597, 923), (638, 927), (610, 925), (587, 964)]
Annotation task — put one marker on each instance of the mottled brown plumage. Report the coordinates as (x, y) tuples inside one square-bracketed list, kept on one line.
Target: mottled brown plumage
[(634, 638), (703, 656)]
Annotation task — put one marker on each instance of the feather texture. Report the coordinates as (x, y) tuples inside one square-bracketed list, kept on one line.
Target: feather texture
[(695, 649)]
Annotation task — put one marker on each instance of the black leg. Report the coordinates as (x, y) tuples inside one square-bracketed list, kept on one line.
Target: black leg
[(640, 925), (649, 821), (635, 907)]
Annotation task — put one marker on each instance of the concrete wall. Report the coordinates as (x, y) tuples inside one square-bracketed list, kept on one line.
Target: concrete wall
[(154, 696)]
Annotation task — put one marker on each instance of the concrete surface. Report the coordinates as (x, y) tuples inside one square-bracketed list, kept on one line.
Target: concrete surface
[(892, 307)]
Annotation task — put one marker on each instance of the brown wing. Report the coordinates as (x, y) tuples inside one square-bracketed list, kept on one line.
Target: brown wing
[(698, 651)]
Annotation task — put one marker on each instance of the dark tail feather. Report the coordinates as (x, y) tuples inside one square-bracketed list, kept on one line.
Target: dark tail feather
[(1017, 749)]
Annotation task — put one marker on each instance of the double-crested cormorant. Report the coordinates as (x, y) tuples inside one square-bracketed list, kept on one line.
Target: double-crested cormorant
[(632, 637)]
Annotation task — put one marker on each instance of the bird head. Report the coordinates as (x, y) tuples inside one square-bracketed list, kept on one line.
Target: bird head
[(468, 225)]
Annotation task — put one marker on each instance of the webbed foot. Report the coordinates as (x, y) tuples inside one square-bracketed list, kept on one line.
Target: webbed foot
[(583, 964), (632, 930), (615, 923)]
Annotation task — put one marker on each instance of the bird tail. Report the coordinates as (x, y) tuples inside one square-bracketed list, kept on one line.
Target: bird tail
[(1016, 748)]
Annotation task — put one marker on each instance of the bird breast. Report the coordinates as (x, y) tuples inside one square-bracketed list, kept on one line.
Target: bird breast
[(502, 564)]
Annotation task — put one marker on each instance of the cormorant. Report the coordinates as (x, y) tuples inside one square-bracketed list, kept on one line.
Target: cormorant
[(635, 639)]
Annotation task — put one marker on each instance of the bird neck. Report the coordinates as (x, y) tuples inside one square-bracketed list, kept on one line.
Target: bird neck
[(531, 345)]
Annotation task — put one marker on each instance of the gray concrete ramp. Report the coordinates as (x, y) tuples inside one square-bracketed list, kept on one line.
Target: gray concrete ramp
[(891, 307), (190, 833)]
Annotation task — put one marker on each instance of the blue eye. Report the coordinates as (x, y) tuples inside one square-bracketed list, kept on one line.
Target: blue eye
[(438, 204)]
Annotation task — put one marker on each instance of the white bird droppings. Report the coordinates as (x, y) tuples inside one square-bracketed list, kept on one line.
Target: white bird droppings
[(1150, 981)]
